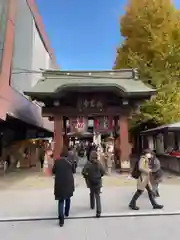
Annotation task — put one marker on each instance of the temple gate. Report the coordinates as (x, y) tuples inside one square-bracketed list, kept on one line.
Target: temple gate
[(113, 94)]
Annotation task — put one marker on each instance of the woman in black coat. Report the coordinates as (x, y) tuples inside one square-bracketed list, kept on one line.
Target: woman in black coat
[(64, 187)]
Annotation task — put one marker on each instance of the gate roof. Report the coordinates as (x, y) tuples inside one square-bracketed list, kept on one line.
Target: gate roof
[(124, 82)]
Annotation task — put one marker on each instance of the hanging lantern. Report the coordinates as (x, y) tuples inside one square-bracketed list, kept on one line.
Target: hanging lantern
[(102, 124)]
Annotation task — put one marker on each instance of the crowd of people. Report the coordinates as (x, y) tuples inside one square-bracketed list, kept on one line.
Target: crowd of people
[(146, 170)]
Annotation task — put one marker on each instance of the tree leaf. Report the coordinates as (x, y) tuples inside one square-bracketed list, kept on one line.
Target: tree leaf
[(151, 31)]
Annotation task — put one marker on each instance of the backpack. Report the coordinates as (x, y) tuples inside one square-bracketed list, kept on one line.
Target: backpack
[(94, 175), (135, 171)]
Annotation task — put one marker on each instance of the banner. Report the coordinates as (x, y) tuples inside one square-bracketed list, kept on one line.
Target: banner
[(79, 124), (102, 124)]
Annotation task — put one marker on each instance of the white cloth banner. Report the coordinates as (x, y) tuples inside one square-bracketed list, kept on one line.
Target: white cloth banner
[(79, 124)]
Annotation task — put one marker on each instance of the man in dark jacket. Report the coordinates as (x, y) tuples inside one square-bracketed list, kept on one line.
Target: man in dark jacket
[(93, 173), (73, 157), (64, 184), (88, 151)]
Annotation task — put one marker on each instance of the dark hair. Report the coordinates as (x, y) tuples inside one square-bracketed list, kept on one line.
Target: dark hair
[(93, 156), (148, 150), (64, 152)]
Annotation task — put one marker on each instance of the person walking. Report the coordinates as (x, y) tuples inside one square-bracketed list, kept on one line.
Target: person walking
[(41, 156), (143, 181), (64, 187), (48, 161), (156, 176), (105, 162), (73, 157), (93, 173), (109, 159), (88, 151)]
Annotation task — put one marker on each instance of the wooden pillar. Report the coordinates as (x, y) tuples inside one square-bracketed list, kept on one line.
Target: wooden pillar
[(124, 143), (65, 137), (58, 136), (116, 144)]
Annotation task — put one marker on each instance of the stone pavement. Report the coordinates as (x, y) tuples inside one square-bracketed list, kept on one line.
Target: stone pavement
[(39, 181), (136, 228), (39, 203), (29, 194), (34, 179)]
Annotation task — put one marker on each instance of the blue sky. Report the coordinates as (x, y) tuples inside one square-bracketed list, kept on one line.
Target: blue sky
[(84, 34)]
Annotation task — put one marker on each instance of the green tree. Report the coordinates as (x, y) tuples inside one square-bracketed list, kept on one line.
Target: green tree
[(164, 106), (151, 31)]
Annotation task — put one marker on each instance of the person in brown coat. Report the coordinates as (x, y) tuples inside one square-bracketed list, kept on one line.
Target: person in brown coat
[(143, 182)]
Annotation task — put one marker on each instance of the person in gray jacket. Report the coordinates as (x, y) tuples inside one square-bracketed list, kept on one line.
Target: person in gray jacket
[(93, 173), (156, 175), (73, 157)]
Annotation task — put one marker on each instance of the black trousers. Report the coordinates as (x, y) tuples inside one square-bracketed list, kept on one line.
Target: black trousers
[(95, 199), (41, 162), (138, 193), (150, 195)]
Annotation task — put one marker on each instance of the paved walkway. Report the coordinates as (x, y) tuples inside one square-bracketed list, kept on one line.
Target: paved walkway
[(28, 194), (149, 228), (39, 203), (23, 179)]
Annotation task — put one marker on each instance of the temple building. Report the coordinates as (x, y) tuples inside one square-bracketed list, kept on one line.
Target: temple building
[(110, 95)]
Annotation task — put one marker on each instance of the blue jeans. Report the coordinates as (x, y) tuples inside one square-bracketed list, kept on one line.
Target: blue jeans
[(64, 207)]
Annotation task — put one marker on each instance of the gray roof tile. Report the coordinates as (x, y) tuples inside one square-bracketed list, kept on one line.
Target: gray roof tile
[(55, 81)]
